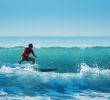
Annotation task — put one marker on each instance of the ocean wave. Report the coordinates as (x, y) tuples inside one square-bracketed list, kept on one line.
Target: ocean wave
[(62, 58)]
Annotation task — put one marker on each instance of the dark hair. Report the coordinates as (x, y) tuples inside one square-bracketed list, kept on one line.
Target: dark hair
[(30, 44)]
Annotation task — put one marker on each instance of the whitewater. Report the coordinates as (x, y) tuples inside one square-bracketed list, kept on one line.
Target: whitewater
[(82, 69)]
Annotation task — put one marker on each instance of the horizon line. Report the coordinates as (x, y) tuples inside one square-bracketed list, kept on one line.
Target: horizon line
[(54, 35)]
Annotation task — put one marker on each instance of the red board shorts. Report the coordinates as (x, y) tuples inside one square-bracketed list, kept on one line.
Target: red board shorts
[(25, 57)]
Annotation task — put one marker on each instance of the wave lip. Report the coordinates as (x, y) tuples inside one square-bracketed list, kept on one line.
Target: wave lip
[(96, 78)]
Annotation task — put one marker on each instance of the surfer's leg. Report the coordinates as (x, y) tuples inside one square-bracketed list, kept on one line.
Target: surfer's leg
[(22, 59), (31, 59)]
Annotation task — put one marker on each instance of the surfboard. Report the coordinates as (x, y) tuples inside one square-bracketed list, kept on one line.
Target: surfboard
[(45, 70), (38, 69)]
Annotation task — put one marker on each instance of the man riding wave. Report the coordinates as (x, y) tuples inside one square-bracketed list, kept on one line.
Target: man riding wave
[(25, 55)]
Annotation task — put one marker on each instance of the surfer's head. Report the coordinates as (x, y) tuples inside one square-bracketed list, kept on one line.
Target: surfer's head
[(30, 45)]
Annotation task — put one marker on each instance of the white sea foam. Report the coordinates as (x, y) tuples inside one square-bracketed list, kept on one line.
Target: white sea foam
[(23, 79), (87, 77)]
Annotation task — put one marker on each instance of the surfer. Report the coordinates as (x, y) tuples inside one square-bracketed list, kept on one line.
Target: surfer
[(25, 55)]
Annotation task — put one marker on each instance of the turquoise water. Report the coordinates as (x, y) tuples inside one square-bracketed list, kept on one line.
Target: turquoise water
[(82, 63), (55, 41)]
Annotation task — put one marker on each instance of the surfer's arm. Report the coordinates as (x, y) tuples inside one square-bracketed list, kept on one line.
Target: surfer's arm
[(34, 54)]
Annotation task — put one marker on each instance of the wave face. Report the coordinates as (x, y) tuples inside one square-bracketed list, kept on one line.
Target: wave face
[(64, 59)]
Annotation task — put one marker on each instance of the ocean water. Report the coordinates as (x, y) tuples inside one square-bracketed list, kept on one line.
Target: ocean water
[(82, 68)]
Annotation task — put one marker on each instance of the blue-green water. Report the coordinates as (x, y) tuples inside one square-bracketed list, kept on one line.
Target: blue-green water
[(82, 63), (55, 41)]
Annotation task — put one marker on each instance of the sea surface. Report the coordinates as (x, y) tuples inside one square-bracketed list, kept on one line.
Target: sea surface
[(82, 68)]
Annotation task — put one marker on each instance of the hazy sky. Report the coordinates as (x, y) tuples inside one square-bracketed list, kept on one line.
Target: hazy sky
[(54, 17)]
